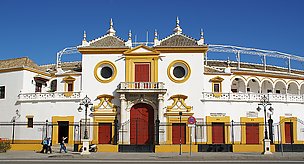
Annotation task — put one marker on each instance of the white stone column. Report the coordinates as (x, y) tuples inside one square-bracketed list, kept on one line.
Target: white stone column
[(123, 119), (162, 119)]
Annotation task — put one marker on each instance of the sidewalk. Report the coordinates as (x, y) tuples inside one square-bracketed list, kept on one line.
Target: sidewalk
[(202, 156)]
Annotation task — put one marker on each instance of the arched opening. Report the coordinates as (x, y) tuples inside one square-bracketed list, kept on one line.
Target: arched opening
[(141, 124), (292, 88), (53, 86), (280, 88), (267, 86), (302, 89), (253, 86), (238, 85)]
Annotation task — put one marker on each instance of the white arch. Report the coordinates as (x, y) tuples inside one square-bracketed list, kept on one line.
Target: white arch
[(302, 88), (253, 84), (267, 85), (280, 87), (238, 84), (292, 87)]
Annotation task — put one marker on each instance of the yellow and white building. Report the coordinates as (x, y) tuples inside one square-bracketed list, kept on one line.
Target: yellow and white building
[(143, 96)]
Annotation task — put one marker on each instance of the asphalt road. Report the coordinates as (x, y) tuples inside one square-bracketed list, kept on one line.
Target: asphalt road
[(135, 161)]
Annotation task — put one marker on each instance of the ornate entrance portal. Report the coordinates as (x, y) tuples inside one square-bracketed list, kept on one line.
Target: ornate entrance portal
[(142, 124)]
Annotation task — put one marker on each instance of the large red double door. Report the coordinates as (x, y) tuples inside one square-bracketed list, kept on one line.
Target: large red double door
[(141, 124)]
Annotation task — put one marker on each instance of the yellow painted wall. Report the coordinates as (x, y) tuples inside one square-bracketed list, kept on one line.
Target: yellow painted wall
[(226, 120), (26, 147), (107, 148), (173, 119), (245, 120), (294, 121), (175, 148), (251, 148), (102, 119), (55, 120)]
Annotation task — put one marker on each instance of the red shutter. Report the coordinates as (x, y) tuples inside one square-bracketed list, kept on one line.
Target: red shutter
[(288, 132), (178, 133), (142, 72), (252, 133), (104, 133), (218, 133)]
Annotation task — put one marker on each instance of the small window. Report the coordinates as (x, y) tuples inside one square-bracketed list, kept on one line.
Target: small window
[(269, 91), (248, 89), (216, 87), (70, 87), (54, 86), (38, 87), (2, 92), (234, 90), (179, 72), (278, 91), (106, 72), (30, 122)]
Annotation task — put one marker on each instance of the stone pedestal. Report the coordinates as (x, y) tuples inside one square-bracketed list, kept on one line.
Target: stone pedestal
[(266, 146), (85, 147)]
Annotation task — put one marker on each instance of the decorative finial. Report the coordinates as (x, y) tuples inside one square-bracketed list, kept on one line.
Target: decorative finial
[(155, 34), (177, 29), (130, 35), (202, 33), (84, 36), (111, 30), (84, 41)]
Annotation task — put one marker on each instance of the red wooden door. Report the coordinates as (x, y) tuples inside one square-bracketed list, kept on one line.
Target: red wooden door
[(288, 132), (178, 133), (218, 133), (104, 133), (142, 72), (252, 133), (141, 124)]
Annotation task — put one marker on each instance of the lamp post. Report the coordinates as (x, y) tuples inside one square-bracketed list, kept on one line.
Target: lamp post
[(86, 102), (180, 132), (264, 103)]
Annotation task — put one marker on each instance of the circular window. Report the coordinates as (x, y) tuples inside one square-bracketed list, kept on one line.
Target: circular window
[(178, 71), (105, 71)]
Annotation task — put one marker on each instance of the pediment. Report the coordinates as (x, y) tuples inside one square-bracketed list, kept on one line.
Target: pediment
[(141, 50)]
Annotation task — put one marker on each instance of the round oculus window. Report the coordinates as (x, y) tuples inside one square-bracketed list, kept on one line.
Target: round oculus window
[(106, 72), (179, 71)]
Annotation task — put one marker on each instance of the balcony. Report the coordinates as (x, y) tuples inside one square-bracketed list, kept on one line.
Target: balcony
[(253, 97), (49, 96), (141, 87)]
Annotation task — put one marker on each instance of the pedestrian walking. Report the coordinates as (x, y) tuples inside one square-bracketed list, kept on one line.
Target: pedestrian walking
[(49, 145), (44, 145), (62, 145)]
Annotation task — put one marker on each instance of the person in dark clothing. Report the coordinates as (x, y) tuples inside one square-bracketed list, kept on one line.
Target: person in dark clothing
[(44, 145), (49, 145)]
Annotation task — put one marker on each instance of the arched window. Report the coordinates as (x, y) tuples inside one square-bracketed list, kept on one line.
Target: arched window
[(53, 86)]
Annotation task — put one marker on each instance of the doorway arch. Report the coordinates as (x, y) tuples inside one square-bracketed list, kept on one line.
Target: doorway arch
[(142, 124)]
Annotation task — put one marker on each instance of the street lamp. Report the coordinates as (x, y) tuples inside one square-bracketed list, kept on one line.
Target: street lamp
[(264, 103), (86, 102)]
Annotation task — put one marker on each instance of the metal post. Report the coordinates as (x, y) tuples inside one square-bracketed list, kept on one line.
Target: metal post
[(85, 123), (232, 136), (13, 137), (265, 126), (157, 131), (46, 128), (115, 131), (180, 132), (239, 60), (264, 62), (190, 140), (270, 123), (80, 131)]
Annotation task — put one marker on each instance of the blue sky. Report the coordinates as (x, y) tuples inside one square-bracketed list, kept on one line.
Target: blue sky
[(39, 29)]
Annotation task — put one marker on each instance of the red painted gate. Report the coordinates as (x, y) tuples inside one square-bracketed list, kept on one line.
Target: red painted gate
[(178, 133), (252, 133), (218, 133), (141, 124), (288, 132), (104, 133)]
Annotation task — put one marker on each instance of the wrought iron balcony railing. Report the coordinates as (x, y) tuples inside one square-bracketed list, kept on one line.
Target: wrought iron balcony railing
[(141, 87), (38, 96)]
